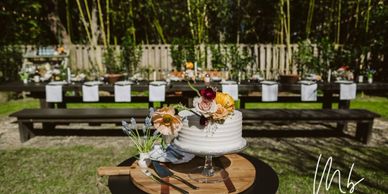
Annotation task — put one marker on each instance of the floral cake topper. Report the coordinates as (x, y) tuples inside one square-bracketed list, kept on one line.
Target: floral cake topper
[(212, 105)]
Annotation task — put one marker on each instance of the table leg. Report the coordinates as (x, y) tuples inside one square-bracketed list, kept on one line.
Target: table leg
[(62, 105), (45, 104), (25, 130), (327, 100), (364, 131), (343, 104)]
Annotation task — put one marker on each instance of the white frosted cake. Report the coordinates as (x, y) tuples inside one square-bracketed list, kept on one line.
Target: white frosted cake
[(213, 138)]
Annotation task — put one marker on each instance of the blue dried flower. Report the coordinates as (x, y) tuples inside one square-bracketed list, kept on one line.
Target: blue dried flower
[(133, 123), (127, 130), (151, 112), (148, 122)]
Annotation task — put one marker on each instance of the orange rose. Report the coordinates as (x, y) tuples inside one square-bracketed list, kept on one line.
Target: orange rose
[(221, 113), (225, 100)]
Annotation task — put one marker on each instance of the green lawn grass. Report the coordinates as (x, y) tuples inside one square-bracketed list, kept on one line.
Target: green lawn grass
[(73, 169), (55, 170)]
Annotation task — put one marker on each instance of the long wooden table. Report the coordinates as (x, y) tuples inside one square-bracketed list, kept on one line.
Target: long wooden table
[(180, 91)]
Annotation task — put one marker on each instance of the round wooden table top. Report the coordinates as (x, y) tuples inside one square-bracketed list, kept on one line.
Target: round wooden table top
[(261, 178)]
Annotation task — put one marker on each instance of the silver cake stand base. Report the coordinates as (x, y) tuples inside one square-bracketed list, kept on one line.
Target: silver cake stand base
[(209, 173)]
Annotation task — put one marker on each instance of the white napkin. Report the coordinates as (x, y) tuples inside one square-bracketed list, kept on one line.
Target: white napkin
[(123, 93), (269, 92), (231, 89), (348, 91), (309, 92), (54, 93), (158, 154), (157, 93), (90, 93)]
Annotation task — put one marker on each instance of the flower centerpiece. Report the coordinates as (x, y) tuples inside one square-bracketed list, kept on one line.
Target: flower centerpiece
[(165, 123), (343, 73), (24, 75), (369, 74), (212, 106)]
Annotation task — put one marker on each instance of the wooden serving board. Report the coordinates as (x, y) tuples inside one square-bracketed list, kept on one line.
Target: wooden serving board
[(241, 173)]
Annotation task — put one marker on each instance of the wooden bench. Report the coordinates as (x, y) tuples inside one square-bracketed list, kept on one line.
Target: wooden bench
[(50, 117), (364, 118)]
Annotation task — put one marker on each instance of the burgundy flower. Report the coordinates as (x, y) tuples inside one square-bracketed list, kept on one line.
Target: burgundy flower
[(208, 93), (203, 121)]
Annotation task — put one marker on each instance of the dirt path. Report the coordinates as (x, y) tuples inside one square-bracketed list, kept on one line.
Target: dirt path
[(9, 136)]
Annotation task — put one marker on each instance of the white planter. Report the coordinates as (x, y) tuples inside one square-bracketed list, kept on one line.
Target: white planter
[(370, 80), (144, 160)]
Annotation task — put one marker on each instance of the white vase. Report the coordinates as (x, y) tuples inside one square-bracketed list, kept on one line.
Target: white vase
[(25, 81), (144, 160), (370, 80)]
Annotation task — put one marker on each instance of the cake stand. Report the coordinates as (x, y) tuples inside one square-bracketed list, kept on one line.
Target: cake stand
[(209, 173)]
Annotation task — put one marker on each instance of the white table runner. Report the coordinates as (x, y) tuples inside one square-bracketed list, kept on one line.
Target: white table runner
[(269, 91), (54, 93), (348, 91), (90, 93), (123, 93), (309, 91), (157, 91), (231, 89)]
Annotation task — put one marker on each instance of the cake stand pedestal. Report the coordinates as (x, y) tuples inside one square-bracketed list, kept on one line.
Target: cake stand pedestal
[(209, 173)]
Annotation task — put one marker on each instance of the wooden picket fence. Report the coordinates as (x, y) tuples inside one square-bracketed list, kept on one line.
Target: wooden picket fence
[(269, 59)]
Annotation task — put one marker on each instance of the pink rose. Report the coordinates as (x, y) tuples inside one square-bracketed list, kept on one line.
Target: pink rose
[(204, 106)]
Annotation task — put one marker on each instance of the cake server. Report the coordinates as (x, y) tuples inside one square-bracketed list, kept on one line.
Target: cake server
[(165, 172), (160, 181)]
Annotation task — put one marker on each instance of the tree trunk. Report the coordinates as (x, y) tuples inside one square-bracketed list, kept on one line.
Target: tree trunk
[(56, 25)]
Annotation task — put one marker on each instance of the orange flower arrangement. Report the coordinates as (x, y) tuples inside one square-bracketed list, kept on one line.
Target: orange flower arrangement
[(212, 105), (189, 65), (166, 122)]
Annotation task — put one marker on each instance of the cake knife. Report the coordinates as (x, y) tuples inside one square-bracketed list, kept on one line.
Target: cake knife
[(165, 172), (227, 181), (161, 181)]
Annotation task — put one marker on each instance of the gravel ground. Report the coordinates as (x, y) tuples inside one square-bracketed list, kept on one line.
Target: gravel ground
[(9, 136)]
